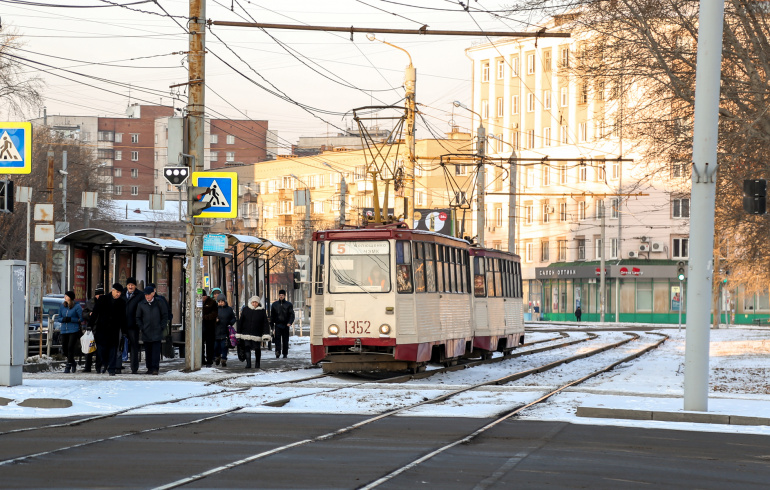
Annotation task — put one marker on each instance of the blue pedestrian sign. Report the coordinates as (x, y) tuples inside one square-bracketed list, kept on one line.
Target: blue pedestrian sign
[(222, 195), (15, 148), (214, 243)]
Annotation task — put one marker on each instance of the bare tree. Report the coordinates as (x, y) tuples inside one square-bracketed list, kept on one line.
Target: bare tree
[(18, 91)]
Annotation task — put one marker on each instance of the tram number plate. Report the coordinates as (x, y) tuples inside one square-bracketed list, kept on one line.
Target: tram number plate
[(357, 327)]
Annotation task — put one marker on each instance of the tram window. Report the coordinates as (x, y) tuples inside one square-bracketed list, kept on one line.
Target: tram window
[(509, 276), (404, 267), (319, 268), (430, 267), (440, 268), (479, 285), (517, 279), (419, 267), (447, 269), (453, 268), (465, 271), (498, 278), (359, 267), (490, 278)]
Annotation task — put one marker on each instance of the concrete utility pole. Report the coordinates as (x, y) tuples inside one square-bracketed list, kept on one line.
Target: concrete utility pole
[(410, 83), (602, 265), (702, 198), (343, 197), (195, 146), (65, 266), (49, 255), (511, 196), (481, 136)]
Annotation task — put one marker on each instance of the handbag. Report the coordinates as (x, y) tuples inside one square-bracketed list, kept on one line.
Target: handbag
[(233, 339), (241, 349), (87, 342)]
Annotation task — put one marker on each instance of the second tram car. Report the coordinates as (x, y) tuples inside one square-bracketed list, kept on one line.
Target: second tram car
[(390, 299)]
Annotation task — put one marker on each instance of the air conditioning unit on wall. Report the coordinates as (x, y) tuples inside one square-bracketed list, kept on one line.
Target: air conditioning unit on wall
[(657, 246), (644, 247), (632, 254)]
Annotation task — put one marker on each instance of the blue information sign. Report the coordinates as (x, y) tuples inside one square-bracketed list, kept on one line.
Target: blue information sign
[(214, 243)]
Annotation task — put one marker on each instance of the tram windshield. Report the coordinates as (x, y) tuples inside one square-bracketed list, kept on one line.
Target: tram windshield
[(359, 267)]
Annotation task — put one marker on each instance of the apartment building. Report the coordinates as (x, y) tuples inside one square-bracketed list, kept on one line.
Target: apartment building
[(576, 162)]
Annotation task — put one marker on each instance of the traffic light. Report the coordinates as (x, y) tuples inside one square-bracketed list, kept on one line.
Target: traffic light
[(680, 271), (6, 196), (754, 196), (196, 202), (176, 175), (297, 279), (724, 280)]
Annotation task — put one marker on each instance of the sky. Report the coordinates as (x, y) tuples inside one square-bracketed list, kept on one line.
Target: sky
[(139, 48), (738, 385)]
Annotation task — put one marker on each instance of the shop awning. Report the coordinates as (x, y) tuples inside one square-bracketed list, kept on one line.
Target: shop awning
[(93, 236)]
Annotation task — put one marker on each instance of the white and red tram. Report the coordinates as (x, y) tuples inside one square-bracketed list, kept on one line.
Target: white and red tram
[(389, 299)]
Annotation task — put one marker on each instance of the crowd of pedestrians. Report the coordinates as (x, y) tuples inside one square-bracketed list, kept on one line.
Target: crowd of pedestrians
[(130, 314)]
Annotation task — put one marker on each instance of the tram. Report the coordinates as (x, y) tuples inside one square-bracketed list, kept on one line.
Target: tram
[(393, 299)]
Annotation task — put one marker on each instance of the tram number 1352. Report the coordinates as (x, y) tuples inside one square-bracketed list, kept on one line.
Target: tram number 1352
[(357, 327)]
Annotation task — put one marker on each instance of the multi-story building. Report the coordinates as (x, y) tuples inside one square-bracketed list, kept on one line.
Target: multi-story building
[(576, 162)]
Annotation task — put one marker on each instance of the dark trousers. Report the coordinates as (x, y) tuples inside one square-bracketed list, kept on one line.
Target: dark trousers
[(132, 337), (257, 356), (106, 352), (152, 355), (70, 346), (94, 356), (281, 340), (221, 346), (208, 346)]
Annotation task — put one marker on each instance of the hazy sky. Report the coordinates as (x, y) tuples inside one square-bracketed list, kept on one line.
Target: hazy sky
[(141, 49)]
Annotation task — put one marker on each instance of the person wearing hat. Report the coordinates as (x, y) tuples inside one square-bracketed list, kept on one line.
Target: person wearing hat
[(281, 318), (252, 325), (225, 318), (166, 328), (151, 318), (210, 313), (108, 320), (87, 313), (132, 297), (70, 316)]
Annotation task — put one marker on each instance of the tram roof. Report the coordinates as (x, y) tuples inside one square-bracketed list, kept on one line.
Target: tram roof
[(384, 233)]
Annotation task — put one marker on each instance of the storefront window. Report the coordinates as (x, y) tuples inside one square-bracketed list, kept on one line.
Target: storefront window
[(643, 296)]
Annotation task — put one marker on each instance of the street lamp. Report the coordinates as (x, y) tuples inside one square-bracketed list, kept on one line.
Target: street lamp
[(410, 86), (481, 179), (343, 192), (511, 196)]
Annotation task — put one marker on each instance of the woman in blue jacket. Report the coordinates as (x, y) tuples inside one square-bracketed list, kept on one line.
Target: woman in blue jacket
[(70, 316)]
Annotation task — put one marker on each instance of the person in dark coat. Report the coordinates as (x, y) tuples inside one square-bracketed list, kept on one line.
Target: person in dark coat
[(133, 297), (225, 318), (281, 318), (210, 313), (70, 315), (167, 336), (151, 318), (108, 320), (578, 313), (252, 326), (87, 314)]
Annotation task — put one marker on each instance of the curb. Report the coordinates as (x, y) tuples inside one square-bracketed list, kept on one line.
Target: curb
[(695, 417)]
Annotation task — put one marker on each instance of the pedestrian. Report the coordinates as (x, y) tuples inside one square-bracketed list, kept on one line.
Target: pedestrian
[(151, 317), (108, 321), (133, 297), (225, 318), (281, 318), (70, 315), (89, 325), (578, 313), (167, 328), (252, 325), (210, 313)]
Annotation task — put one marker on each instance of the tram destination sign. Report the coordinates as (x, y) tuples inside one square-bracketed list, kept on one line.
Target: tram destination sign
[(360, 248)]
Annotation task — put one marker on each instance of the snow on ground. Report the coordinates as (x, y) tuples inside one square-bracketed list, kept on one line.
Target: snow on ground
[(740, 365)]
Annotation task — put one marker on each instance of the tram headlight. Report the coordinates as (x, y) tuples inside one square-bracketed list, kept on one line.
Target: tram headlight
[(384, 329), (334, 329)]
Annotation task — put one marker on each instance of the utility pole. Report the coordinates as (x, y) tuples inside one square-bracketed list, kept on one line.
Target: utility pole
[(49, 255), (195, 147), (410, 83), (602, 265), (64, 206), (343, 196), (512, 205), (481, 184)]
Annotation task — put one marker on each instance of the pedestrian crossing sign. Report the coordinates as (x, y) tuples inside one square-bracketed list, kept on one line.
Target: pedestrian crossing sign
[(15, 147), (223, 195)]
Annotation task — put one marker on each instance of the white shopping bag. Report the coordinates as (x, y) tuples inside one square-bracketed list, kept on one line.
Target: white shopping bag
[(87, 342)]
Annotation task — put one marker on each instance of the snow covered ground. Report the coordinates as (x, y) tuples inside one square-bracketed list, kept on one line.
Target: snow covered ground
[(739, 385)]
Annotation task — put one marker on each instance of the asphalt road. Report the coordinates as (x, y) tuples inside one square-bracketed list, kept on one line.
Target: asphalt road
[(515, 453)]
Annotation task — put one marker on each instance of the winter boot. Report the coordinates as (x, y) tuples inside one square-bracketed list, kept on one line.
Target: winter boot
[(248, 362), (74, 366), (216, 361), (224, 362), (67, 369)]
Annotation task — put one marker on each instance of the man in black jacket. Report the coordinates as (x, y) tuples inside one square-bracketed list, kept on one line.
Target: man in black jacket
[(132, 297), (281, 318), (151, 319)]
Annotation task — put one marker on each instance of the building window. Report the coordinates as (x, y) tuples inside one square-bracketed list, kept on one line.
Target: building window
[(499, 217), (530, 64), (615, 167), (134, 190), (582, 132), (421, 198), (485, 72), (564, 97), (582, 172), (499, 107), (118, 155), (599, 250), (601, 174), (562, 250), (530, 177), (681, 248), (546, 61), (360, 172), (563, 137), (134, 137), (105, 136), (515, 104), (229, 156), (134, 156), (643, 295), (546, 99), (285, 207), (156, 139), (598, 207), (615, 208), (118, 137), (134, 173), (156, 156), (230, 139), (531, 138), (485, 109), (546, 212), (582, 210), (581, 249), (528, 247), (500, 69), (544, 252), (600, 91), (515, 140), (118, 190), (318, 207), (528, 213), (214, 156), (547, 136), (546, 175), (530, 102), (584, 93), (118, 172), (681, 208), (613, 248), (562, 211), (565, 57), (214, 139), (563, 174), (515, 66), (461, 170)]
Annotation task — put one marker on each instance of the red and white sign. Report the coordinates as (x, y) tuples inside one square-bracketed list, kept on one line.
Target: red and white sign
[(635, 271), (598, 269), (442, 216)]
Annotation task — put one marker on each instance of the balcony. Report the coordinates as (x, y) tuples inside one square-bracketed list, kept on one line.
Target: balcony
[(285, 220)]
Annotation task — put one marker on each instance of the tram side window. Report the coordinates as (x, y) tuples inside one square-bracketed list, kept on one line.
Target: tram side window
[(463, 260), (511, 290), (479, 285), (454, 269), (440, 268), (448, 265), (430, 267), (517, 279), (490, 278), (419, 267), (319, 268), (466, 271), (504, 274), (404, 267), (498, 278)]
